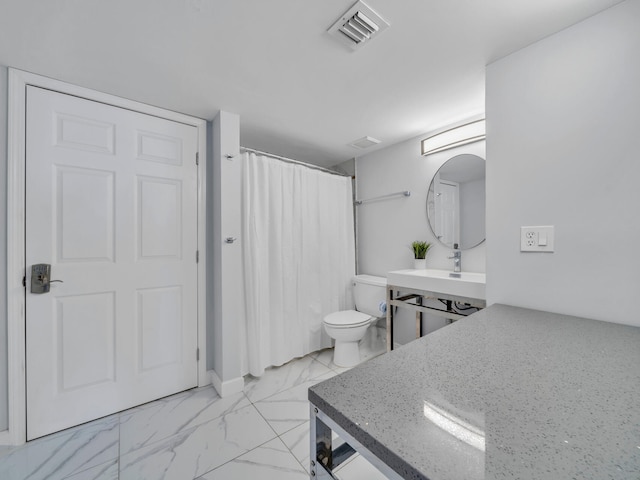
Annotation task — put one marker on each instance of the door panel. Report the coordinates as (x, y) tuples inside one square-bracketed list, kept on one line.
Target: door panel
[(159, 148), (84, 133), (81, 193), (159, 218), (90, 361), (111, 204), (160, 327)]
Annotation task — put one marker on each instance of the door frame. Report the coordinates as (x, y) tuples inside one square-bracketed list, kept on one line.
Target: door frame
[(16, 268), (438, 193)]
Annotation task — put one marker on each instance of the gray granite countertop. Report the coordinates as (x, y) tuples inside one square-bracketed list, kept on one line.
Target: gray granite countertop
[(507, 393)]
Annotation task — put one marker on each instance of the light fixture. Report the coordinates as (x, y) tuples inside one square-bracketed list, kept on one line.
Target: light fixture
[(454, 137)]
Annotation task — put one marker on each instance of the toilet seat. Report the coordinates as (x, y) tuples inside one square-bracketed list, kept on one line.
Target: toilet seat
[(347, 319)]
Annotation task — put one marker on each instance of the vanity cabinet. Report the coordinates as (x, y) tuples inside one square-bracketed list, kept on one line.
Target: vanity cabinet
[(410, 288)]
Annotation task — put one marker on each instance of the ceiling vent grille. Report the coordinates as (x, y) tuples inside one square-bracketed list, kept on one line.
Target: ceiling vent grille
[(358, 25), (364, 142)]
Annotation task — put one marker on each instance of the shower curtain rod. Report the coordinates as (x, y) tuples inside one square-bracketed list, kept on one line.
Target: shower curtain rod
[(297, 162)]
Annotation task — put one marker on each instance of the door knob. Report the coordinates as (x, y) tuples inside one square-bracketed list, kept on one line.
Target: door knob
[(40, 274)]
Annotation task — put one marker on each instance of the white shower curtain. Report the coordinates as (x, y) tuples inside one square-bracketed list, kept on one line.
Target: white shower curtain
[(299, 257)]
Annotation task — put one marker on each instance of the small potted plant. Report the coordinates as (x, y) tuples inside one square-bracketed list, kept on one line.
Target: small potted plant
[(420, 250)]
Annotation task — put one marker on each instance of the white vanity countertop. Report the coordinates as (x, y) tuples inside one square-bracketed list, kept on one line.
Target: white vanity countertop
[(463, 284), (507, 393)]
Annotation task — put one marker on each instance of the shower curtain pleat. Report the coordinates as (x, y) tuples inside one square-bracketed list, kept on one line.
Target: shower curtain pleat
[(299, 258)]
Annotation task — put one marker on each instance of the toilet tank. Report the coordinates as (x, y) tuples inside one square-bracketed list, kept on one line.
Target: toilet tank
[(368, 292)]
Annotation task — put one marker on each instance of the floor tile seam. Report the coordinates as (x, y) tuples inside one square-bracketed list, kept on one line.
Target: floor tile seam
[(194, 422), (185, 432), (161, 400), (180, 398), (321, 362), (289, 429), (119, 441), (238, 456), (314, 377), (97, 425), (246, 396), (322, 374), (52, 457), (291, 451), (306, 400), (280, 392), (156, 441), (318, 361), (292, 454), (319, 374), (115, 461), (262, 399), (11, 450), (266, 421), (251, 401)]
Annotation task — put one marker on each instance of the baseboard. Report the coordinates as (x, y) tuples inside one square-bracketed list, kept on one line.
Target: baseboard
[(5, 438), (224, 389)]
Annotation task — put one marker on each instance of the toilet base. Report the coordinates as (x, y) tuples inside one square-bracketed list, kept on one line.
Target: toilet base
[(346, 354)]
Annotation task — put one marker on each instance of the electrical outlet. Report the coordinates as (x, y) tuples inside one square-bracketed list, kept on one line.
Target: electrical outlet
[(537, 239)]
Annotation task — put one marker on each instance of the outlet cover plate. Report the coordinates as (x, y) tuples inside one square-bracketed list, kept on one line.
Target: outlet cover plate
[(537, 239)]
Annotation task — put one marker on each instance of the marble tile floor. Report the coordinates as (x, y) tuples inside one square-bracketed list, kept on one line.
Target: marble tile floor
[(262, 432)]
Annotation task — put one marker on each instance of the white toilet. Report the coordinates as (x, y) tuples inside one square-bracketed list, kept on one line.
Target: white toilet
[(348, 327)]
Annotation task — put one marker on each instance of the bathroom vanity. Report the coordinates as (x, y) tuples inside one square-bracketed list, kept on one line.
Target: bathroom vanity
[(410, 288), (506, 393)]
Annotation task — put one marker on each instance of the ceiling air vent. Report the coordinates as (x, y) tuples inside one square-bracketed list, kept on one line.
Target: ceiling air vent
[(364, 142), (358, 25)]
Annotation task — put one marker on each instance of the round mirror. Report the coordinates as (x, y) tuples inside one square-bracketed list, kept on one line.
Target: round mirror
[(456, 202)]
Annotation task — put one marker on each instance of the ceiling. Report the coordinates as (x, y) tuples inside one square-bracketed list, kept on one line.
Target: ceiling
[(299, 92)]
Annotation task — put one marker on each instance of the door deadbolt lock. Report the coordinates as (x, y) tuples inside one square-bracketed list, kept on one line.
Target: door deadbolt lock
[(40, 278)]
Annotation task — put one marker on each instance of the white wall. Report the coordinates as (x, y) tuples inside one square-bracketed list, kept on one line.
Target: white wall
[(225, 304), (347, 168), (3, 248), (563, 119), (386, 228)]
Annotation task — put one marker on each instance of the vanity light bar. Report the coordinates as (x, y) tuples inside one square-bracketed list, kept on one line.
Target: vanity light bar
[(454, 137)]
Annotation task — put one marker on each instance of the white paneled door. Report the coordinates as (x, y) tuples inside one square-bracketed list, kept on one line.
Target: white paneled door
[(111, 205)]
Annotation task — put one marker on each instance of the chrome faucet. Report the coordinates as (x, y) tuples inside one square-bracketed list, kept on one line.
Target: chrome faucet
[(457, 258)]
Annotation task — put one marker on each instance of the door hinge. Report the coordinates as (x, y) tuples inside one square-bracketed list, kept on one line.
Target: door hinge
[(24, 281), (197, 354), (197, 256), (197, 158)]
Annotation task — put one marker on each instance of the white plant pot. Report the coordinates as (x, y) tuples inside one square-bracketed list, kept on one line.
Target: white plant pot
[(419, 263)]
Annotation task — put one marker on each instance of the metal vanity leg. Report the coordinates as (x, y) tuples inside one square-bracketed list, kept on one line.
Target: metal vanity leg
[(419, 318), (389, 320), (321, 457), (449, 305), (324, 459)]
